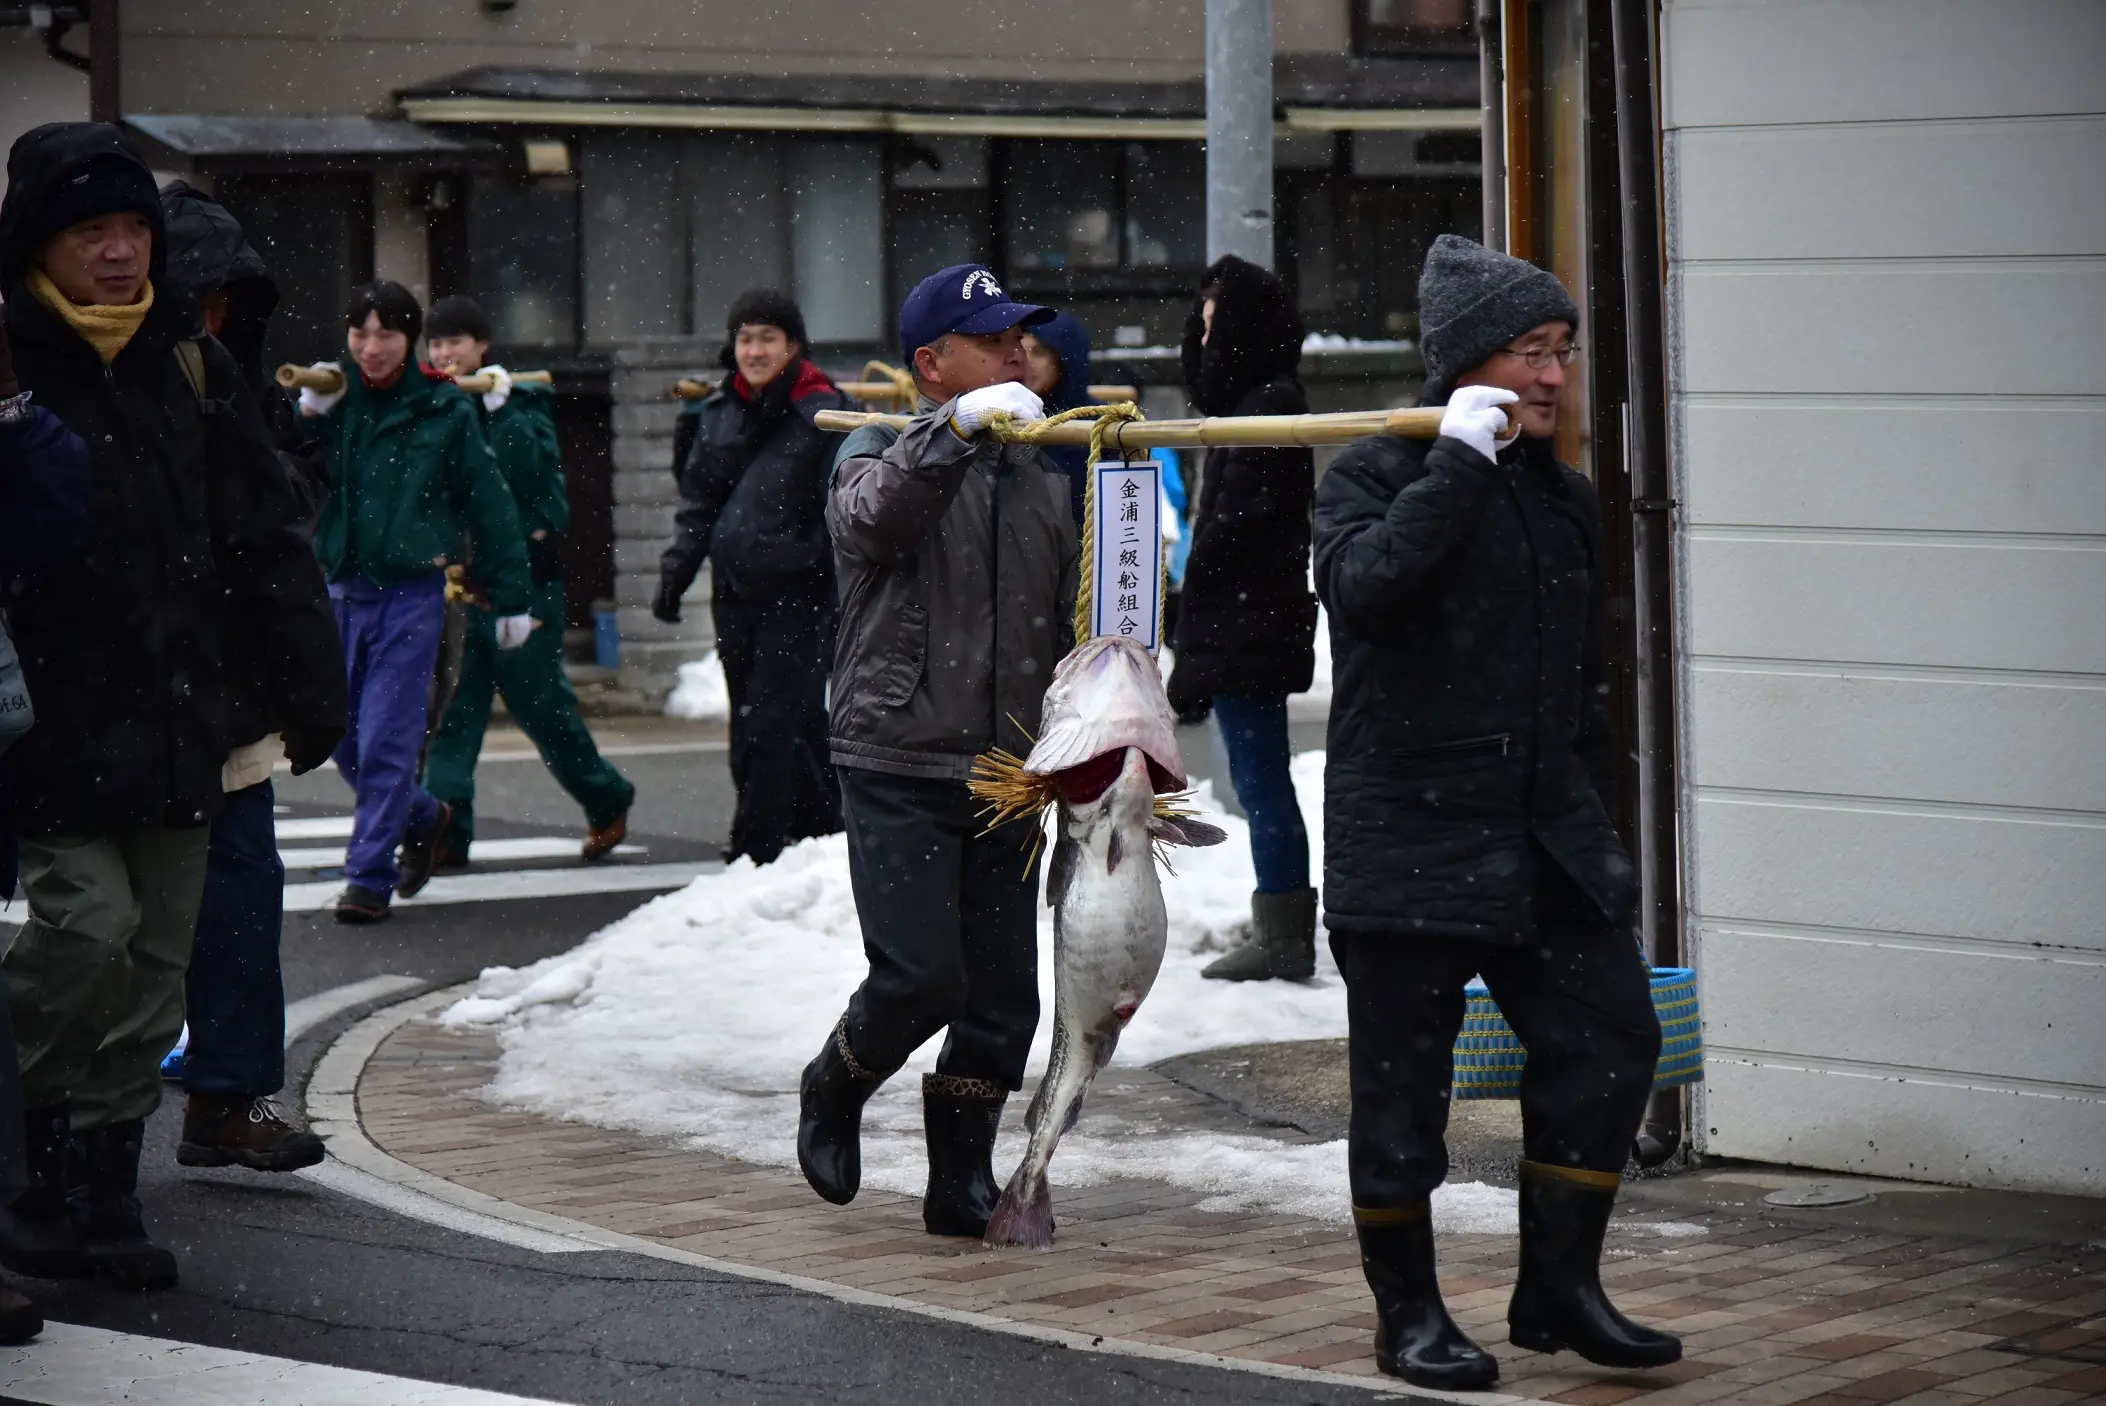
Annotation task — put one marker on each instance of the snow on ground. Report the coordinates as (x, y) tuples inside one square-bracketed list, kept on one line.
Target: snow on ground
[(693, 1016), (700, 694)]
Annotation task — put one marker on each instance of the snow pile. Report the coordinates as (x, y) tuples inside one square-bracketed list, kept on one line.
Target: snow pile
[(693, 1016), (1336, 342), (700, 694)]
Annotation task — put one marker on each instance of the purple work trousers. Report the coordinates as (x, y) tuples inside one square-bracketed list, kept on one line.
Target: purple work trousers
[(391, 651)]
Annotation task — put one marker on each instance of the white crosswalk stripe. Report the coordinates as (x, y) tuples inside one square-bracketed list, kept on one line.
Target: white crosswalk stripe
[(310, 843), (70, 1365)]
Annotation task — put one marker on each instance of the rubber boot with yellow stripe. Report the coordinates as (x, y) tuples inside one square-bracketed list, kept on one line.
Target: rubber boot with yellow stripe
[(1558, 1300)]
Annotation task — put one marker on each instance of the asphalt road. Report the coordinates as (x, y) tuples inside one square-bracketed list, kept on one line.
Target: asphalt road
[(281, 1266)]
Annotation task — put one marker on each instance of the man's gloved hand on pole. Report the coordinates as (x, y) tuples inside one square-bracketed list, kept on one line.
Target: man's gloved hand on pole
[(973, 411), (514, 630), (313, 403), (500, 388), (1474, 417)]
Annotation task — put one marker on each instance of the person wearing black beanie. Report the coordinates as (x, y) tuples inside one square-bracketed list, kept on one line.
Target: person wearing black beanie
[(1467, 797), (752, 502)]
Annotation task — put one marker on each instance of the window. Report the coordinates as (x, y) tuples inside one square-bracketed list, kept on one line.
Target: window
[(523, 259), (1082, 217), (1414, 26), (939, 208)]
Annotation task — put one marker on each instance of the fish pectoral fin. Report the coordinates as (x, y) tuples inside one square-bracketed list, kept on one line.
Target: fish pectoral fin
[(1113, 853), (1186, 830), (1104, 1052)]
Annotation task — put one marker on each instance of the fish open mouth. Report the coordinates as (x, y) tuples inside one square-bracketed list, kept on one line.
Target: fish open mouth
[(1081, 784)]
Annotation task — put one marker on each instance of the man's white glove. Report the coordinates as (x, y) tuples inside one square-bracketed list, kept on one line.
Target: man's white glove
[(500, 388), (513, 630), (313, 403), (971, 412), (1474, 417)]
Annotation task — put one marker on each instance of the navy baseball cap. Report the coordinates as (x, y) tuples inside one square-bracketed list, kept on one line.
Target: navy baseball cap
[(962, 298)]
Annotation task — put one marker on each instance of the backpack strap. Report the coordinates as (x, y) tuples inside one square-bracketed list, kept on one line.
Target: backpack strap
[(191, 357)]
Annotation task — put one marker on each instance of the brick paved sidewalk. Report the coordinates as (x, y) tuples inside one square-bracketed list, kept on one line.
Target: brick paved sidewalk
[(1770, 1313)]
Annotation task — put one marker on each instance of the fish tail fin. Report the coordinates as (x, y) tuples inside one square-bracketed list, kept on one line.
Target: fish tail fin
[(1024, 1215)]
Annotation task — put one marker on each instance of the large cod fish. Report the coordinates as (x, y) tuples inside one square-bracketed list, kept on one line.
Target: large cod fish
[(1107, 747)]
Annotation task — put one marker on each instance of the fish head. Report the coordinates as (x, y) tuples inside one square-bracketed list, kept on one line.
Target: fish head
[(1106, 697)]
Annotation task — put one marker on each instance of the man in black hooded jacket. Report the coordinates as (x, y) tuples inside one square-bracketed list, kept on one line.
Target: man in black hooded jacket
[(753, 502), (191, 521), (235, 1059), (1466, 826)]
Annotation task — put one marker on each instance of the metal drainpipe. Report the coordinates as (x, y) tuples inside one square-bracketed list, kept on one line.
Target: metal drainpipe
[(1653, 509), (1491, 97)]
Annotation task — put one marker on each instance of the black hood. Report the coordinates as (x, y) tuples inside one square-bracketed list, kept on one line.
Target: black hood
[(206, 250), (39, 160), (1256, 339)]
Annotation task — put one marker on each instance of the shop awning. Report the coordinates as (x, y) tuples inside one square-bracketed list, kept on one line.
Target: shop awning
[(1313, 93), (188, 141)]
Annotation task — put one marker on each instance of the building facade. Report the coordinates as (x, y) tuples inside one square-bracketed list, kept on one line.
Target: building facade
[(605, 178)]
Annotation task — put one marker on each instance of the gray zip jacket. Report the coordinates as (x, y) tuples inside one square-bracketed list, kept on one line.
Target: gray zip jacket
[(956, 561)]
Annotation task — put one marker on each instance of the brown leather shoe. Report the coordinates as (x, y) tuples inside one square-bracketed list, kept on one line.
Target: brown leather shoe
[(221, 1130), (601, 840), (419, 855)]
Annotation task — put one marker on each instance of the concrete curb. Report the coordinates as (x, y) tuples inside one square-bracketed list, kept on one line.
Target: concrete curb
[(332, 1109)]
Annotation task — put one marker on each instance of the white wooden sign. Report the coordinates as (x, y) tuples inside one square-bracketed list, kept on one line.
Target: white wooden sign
[(1126, 596)]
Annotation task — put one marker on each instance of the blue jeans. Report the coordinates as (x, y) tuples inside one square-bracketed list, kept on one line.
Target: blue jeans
[(1254, 729), (391, 652), (236, 994)]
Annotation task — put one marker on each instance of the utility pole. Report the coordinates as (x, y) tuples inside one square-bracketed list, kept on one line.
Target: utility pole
[(1239, 130)]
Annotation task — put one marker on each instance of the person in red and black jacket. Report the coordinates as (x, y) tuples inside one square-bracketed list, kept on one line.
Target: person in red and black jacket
[(753, 502)]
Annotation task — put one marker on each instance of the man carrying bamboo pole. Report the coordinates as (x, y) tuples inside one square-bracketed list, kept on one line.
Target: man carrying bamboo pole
[(1466, 825), (522, 432), (414, 480), (956, 555)]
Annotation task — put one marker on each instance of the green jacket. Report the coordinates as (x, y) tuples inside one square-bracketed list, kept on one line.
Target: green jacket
[(522, 434), (414, 482)]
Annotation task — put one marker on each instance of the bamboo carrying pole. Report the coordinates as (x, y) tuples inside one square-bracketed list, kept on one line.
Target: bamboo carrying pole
[(688, 388), (329, 380), (1215, 432)]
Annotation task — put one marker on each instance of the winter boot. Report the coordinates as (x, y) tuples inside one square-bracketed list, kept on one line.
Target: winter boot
[(228, 1130), (419, 855), (106, 1208), (20, 1320), (830, 1099), (37, 1235), (1414, 1337), (1282, 942), (359, 904), (959, 1117), (1558, 1300)]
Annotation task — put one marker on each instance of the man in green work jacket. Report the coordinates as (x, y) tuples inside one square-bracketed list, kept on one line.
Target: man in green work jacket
[(414, 490), (522, 433)]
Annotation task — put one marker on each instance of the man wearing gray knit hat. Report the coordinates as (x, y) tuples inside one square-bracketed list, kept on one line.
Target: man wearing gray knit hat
[(1466, 821)]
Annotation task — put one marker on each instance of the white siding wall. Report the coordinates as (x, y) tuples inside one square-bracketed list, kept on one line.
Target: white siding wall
[(1887, 238)]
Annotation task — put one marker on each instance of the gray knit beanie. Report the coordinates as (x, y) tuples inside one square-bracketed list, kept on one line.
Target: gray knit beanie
[(1473, 301)]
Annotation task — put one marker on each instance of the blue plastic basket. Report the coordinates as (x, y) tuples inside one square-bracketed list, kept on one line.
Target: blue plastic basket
[(1488, 1058)]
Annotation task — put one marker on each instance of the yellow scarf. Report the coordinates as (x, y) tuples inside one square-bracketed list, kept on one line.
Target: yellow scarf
[(107, 329)]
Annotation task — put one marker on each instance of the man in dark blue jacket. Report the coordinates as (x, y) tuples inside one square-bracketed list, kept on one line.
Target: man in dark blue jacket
[(1466, 821), (753, 502)]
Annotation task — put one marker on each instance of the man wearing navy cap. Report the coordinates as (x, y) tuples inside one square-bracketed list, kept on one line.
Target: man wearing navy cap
[(956, 557)]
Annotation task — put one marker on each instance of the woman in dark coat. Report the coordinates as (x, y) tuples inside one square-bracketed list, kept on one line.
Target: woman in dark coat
[(1246, 630)]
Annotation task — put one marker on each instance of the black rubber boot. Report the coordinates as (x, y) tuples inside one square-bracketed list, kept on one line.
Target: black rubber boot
[(959, 1117), (1558, 1300), (20, 1320), (830, 1099), (1414, 1337), (106, 1208), (37, 1235), (1282, 942)]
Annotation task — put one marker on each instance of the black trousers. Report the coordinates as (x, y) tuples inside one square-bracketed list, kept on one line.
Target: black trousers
[(1579, 998), (776, 655), (950, 925)]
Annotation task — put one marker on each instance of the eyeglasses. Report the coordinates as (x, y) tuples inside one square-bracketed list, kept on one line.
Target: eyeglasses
[(1539, 357)]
